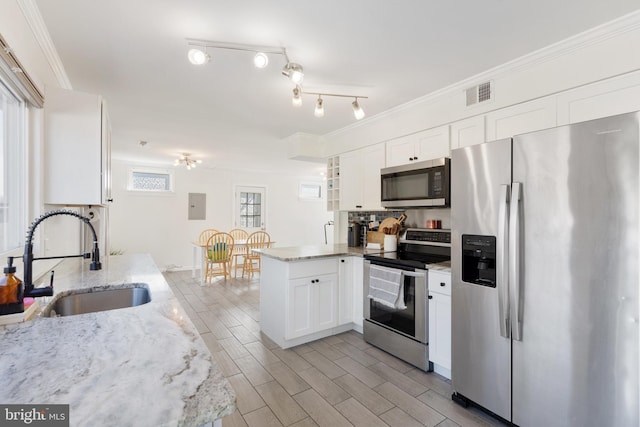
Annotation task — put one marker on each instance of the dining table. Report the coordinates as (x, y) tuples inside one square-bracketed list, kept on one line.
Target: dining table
[(200, 257)]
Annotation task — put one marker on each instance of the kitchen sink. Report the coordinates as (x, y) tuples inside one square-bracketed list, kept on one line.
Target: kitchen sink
[(100, 299)]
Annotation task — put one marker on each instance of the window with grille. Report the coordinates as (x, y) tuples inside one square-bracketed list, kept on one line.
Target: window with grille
[(250, 207), (150, 180)]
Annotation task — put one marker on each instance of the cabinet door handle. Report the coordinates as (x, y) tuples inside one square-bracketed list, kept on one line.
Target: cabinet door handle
[(341, 260), (415, 158), (109, 200), (443, 284), (358, 206), (430, 296)]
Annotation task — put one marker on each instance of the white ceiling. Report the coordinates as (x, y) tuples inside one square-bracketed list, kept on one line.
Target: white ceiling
[(230, 114)]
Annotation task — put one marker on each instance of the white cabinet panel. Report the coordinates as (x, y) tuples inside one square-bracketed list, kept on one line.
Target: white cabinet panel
[(522, 118), (312, 305), (425, 145), (468, 132), (400, 151), (360, 178), (614, 96), (373, 159), (345, 286), (351, 181), (77, 141), (433, 143), (358, 291), (440, 320)]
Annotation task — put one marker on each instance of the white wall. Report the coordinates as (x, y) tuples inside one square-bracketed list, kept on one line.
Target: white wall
[(158, 224)]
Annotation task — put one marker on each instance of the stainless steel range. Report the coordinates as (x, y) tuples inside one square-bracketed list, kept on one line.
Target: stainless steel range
[(400, 326)]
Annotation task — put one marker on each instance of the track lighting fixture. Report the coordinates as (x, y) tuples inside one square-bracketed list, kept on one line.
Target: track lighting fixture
[(297, 97), (358, 112), (261, 60), (198, 56), (188, 161), (294, 72), (319, 111)]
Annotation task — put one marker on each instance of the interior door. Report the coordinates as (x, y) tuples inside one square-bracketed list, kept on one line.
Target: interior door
[(481, 357), (250, 208)]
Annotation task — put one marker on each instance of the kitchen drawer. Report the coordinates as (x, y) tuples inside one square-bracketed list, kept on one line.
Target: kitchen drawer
[(440, 282), (313, 268)]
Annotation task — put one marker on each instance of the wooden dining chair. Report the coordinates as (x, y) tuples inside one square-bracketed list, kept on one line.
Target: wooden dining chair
[(205, 235), (219, 249), (256, 240), (239, 237)]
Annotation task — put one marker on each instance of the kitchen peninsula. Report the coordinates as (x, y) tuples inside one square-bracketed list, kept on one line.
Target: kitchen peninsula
[(142, 366), (310, 292)]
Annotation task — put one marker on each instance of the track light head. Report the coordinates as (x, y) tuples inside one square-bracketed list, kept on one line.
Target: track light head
[(260, 60), (358, 112), (297, 97), (198, 56), (319, 111), (294, 72)]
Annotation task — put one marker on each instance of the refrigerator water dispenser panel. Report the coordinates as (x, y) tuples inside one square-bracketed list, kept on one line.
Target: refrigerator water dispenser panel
[(479, 260)]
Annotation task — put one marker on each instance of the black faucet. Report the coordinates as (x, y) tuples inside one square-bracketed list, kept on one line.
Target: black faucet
[(27, 258)]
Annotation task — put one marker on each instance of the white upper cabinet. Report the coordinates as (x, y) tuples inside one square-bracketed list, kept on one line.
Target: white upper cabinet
[(522, 118), (468, 132), (77, 141), (360, 178), (614, 96), (425, 145)]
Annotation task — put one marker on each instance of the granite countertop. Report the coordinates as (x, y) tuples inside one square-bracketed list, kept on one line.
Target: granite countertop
[(139, 366), (298, 253)]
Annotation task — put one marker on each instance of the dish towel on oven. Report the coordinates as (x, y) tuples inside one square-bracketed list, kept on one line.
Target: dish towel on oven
[(385, 286)]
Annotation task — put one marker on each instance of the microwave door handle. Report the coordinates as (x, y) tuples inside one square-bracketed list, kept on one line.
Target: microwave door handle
[(501, 262)]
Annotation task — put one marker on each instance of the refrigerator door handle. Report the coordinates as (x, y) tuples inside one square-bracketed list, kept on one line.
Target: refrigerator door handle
[(514, 260), (502, 267)]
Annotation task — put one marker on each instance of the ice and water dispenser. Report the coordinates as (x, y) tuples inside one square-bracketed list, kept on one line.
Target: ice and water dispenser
[(479, 260)]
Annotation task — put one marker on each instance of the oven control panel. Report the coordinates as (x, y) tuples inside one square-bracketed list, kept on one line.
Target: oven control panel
[(439, 237)]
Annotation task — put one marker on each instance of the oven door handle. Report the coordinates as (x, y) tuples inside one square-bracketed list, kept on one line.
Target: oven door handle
[(412, 274)]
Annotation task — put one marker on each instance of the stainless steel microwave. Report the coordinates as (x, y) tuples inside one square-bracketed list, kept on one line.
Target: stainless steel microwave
[(423, 184)]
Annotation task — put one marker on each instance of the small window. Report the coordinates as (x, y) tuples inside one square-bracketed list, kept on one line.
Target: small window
[(12, 169), (151, 180), (310, 191)]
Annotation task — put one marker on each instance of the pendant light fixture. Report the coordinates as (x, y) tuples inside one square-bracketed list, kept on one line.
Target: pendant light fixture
[(187, 161)]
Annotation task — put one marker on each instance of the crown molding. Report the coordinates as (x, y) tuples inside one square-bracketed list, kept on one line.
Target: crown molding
[(608, 30), (38, 27)]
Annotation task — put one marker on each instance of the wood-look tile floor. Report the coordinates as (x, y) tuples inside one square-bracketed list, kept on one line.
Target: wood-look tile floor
[(337, 381)]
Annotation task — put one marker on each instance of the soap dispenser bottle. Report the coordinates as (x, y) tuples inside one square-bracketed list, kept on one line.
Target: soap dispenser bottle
[(11, 292)]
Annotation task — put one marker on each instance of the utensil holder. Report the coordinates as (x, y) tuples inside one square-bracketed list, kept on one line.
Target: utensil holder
[(390, 243)]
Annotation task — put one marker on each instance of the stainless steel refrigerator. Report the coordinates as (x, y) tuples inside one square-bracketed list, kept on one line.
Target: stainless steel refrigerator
[(545, 275)]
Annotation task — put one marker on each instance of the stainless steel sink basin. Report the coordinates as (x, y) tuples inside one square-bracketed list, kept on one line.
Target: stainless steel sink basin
[(100, 299)]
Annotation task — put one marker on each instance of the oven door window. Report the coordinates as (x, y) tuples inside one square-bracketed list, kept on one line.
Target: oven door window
[(399, 320)]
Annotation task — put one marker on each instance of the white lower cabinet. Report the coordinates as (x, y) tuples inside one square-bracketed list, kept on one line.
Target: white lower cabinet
[(440, 321), (313, 305)]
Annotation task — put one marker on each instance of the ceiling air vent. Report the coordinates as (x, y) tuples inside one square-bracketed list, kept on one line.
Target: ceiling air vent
[(479, 93)]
